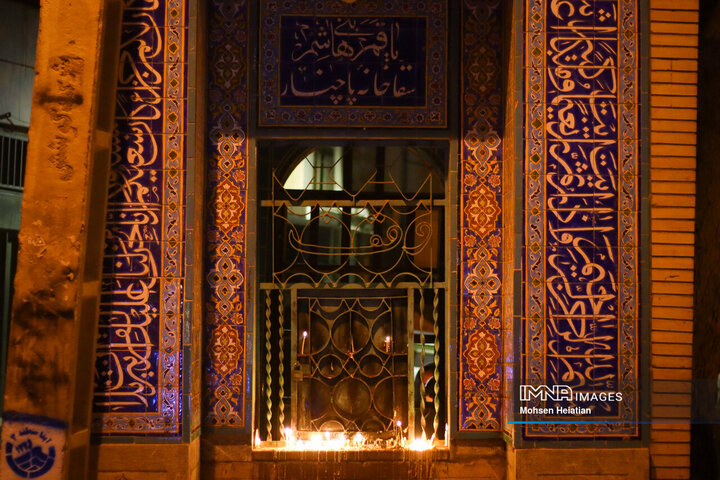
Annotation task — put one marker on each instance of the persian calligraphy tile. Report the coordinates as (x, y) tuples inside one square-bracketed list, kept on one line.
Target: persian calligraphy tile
[(358, 61), (129, 328), (580, 51), (131, 219), (480, 342), (138, 367), (369, 64), (128, 258), (583, 14), (579, 285), (136, 397), (131, 183)]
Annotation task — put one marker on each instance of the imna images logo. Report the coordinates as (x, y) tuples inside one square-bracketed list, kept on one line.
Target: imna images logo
[(559, 393)]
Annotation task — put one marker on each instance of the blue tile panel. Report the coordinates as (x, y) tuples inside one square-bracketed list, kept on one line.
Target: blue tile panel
[(352, 61), (138, 368), (581, 209), (329, 63)]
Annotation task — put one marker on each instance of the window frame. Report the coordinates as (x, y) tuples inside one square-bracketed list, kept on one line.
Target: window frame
[(256, 301)]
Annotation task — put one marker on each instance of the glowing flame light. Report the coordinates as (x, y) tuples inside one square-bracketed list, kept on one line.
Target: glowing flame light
[(290, 439), (316, 441), (420, 445), (332, 441)]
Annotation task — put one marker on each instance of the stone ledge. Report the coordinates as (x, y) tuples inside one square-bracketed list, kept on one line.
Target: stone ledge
[(464, 460), (145, 461), (579, 463), (399, 455)]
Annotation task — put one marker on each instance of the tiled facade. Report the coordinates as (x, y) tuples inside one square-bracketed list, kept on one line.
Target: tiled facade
[(581, 241), (574, 227)]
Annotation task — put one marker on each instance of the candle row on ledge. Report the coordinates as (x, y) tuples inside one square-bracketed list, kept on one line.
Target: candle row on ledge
[(338, 441)]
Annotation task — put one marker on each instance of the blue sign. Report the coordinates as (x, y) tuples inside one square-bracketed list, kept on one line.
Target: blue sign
[(30, 453), (353, 61)]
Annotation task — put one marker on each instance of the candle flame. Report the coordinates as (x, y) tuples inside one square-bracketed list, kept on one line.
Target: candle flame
[(420, 445)]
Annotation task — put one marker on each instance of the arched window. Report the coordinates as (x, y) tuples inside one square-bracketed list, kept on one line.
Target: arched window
[(351, 265)]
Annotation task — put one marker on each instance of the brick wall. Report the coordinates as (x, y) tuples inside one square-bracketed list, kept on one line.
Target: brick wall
[(673, 139)]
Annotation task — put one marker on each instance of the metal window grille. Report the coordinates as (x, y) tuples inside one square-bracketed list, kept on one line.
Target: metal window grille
[(352, 294), (13, 152)]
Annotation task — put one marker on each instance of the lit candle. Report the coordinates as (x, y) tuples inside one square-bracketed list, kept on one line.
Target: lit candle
[(316, 440), (387, 344), (302, 347), (358, 440), (420, 444), (289, 437)]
